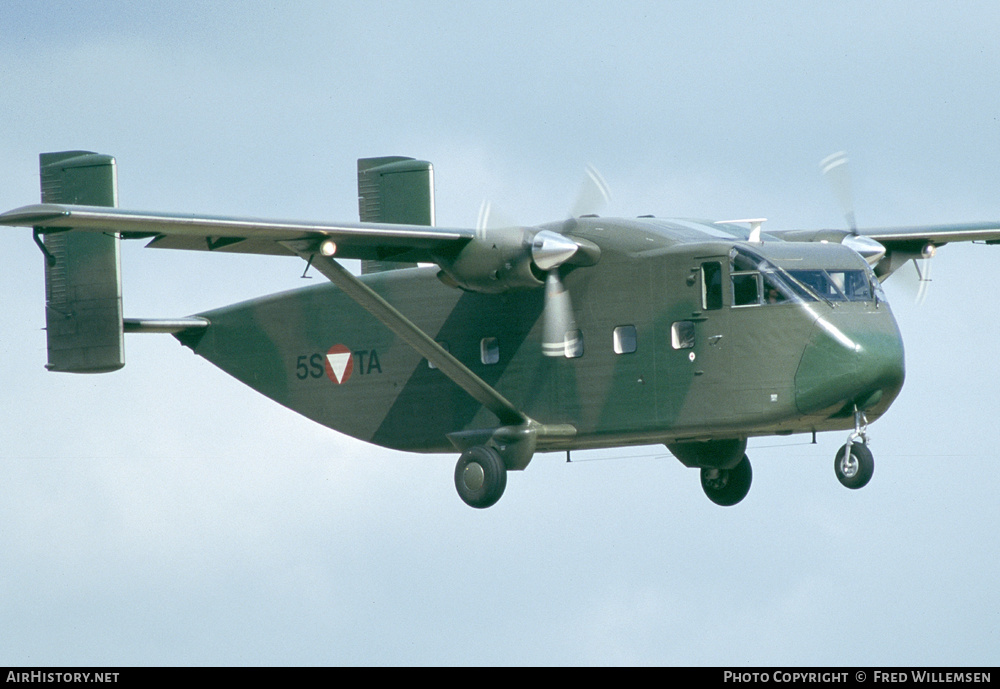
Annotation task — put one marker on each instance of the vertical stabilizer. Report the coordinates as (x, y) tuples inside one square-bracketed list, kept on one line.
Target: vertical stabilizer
[(83, 296), (394, 190)]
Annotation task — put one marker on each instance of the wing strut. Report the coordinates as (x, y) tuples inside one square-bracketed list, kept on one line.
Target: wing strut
[(385, 312)]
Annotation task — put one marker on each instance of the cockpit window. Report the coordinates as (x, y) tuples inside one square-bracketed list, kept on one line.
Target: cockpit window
[(819, 282), (836, 285), (746, 289), (758, 281), (854, 283), (776, 291)]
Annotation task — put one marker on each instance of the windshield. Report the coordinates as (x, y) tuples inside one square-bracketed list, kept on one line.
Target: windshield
[(836, 285), (757, 280)]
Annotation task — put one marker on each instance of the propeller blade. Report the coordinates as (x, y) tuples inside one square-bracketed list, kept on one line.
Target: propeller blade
[(594, 194), (491, 218), (560, 336), (923, 266), (910, 283), (549, 250), (834, 168), (483, 220)]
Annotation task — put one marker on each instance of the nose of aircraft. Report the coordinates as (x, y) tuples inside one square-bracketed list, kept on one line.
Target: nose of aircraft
[(850, 359)]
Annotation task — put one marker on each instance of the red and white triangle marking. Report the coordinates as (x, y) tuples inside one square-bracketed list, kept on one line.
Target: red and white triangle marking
[(339, 364)]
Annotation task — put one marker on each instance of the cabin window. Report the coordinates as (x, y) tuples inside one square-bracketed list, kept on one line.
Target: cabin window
[(711, 285), (489, 350), (682, 335), (625, 339)]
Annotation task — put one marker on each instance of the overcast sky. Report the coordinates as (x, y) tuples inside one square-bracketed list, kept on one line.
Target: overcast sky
[(166, 514)]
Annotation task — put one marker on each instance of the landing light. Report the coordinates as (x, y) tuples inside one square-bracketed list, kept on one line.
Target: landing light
[(328, 248)]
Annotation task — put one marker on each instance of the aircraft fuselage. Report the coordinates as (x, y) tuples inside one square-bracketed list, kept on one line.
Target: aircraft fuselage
[(681, 341)]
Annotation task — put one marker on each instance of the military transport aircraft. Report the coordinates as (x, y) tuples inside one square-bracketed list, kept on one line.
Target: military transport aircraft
[(585, 333)]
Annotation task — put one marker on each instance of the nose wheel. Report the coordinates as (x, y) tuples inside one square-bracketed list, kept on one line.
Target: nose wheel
[(854, 464)]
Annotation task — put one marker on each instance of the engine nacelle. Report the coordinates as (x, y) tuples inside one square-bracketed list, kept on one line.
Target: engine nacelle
[(496, 262), (513, 258)]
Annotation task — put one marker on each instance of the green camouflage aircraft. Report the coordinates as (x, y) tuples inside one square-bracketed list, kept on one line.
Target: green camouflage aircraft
[(694, 334)]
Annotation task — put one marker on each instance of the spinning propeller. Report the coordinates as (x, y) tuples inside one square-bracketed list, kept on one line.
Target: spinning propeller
[(834, 168), (837, 173), (549, 251)]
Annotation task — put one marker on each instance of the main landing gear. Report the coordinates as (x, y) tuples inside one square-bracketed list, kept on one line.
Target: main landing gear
[(481, 472), (727, 487), (854, 464), (480, 476), (726, 480)]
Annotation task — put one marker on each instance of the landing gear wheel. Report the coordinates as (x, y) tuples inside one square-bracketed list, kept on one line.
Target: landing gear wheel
[(854, 465), (480, 476), (727, 487)]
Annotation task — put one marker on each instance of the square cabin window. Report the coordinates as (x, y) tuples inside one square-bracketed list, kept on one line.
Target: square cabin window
[(682, 335), (624, 339), (489, 350)]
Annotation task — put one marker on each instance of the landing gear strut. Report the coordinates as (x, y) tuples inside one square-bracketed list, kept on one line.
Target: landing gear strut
[(480, 476), (854, 464), (727, 487)]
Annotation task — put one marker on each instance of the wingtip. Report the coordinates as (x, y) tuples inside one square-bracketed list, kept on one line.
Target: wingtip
[(29, 216)]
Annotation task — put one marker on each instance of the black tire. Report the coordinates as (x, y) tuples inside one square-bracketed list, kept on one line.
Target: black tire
[(480, 476), (854, 470), (727, 487)]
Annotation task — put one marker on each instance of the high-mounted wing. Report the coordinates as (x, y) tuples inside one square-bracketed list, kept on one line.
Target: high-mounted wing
[(888, 248), (904, 237), (938, 235), (374, 241), (921, 242)]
